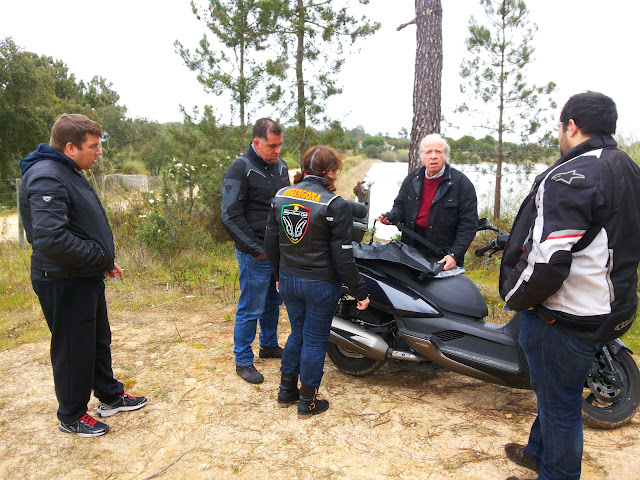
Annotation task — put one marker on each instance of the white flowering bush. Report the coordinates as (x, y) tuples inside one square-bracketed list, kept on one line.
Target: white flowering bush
[(183, 213)]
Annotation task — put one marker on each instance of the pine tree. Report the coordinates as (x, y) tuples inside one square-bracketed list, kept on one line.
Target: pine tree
[(312, 33), (495, 70), (427, 89), (230, 62)]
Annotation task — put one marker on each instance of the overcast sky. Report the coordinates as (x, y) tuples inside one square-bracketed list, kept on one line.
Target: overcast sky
[(579, 45)]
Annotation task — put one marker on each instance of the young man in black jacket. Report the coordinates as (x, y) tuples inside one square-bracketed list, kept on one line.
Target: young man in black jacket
[(72, 252), (249, 184), (570, 266)]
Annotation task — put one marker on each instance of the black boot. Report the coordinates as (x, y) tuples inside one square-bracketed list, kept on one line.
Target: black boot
[(288, 393), (309, 404)]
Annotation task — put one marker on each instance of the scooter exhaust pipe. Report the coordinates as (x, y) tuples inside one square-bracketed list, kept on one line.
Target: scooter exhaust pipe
[(354, 338), (371, 345)]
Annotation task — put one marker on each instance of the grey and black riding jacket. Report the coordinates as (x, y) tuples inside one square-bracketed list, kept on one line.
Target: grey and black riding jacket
[(248, 186)]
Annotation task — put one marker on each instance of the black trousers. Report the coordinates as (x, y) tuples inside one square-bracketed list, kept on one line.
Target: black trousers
[(76, 312)]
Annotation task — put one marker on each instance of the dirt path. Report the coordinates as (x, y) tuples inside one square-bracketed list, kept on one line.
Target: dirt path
[(203, 422)]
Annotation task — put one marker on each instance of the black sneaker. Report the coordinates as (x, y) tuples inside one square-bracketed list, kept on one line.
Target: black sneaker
[(123, 403), (85, 426), (270, 352), (249, 374)]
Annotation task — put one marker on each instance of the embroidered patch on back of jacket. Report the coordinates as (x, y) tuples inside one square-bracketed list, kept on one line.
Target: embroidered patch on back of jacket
[(295, 221)]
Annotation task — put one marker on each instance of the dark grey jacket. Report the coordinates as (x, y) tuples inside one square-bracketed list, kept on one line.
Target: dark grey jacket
[(63, 218), (453, 217)]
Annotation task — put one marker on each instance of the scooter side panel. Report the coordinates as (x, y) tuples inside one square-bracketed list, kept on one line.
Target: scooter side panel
[(456, 294), (396, 299)]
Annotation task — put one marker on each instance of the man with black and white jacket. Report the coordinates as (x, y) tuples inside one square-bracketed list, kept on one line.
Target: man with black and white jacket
[(570, 266)]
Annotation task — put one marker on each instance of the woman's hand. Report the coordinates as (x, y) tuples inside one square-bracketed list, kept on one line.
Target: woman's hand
[(363, 304)]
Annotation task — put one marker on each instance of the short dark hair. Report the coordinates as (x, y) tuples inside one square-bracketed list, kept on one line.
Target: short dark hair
[(72, 127), (264, 126), (319, 161), (593, 113)]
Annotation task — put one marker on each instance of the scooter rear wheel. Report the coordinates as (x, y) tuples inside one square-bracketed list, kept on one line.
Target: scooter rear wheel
[(607, 407), (352, 363)]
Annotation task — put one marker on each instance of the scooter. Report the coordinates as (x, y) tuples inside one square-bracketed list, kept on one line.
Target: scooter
[(422, 318)]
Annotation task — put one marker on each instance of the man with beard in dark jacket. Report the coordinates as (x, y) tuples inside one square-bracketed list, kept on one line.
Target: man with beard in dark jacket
[(570, 266), (72, 252), (249, 184), (438, 203)]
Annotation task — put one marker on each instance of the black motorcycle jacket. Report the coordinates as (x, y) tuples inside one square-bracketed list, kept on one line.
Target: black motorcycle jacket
[(63, 218), (453, 217), (309, 235), (574, 249), (248, 186)]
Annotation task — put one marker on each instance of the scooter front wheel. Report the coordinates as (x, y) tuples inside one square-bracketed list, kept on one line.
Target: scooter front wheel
[(351, 362), (606, 406)]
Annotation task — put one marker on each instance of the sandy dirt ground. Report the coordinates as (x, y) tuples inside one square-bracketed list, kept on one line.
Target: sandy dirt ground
[(204, 422)]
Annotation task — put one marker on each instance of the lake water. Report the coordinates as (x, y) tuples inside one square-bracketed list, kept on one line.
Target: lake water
[(385, 179)]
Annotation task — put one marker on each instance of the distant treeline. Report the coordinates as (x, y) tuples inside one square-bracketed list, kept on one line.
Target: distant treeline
[(466, 149), (35, 89)]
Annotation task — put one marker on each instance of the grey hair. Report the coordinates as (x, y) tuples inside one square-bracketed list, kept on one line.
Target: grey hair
[(431, 138)]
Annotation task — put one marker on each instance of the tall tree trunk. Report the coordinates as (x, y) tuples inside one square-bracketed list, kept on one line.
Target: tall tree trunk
[(243, 101), (500, 157), (302, 118), (427, 88)]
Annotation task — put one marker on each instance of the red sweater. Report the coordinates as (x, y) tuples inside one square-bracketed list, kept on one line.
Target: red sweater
[(428, 194)]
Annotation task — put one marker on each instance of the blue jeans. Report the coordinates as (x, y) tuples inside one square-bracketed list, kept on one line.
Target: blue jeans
[(311, 305), (558, 364), (259, 302)]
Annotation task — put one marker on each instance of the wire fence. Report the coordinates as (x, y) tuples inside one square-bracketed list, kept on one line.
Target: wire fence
[(8, 191), (11, 224)]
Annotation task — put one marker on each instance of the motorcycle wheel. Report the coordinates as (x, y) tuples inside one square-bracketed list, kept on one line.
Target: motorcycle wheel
[(606, 407), (351, 362)]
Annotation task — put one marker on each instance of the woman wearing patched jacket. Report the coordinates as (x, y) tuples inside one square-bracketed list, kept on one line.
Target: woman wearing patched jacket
[(308, 244)]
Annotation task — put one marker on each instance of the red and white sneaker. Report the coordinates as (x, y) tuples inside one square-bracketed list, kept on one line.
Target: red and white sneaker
[(85, 426)]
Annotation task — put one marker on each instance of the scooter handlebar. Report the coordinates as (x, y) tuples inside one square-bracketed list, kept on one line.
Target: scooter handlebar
[(481, 251), (496, 245)]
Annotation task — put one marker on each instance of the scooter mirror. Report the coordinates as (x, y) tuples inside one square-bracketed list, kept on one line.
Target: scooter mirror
[(484, 224)]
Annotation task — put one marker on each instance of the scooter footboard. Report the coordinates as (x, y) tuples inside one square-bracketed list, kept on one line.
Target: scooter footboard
[(427, 349)]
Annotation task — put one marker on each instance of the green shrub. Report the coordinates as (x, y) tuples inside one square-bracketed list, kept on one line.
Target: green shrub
[(133, 167), (372, 151), (375, 141)]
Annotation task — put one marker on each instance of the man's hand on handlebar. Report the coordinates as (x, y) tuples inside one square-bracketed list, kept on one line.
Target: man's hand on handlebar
[(383, 219)]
